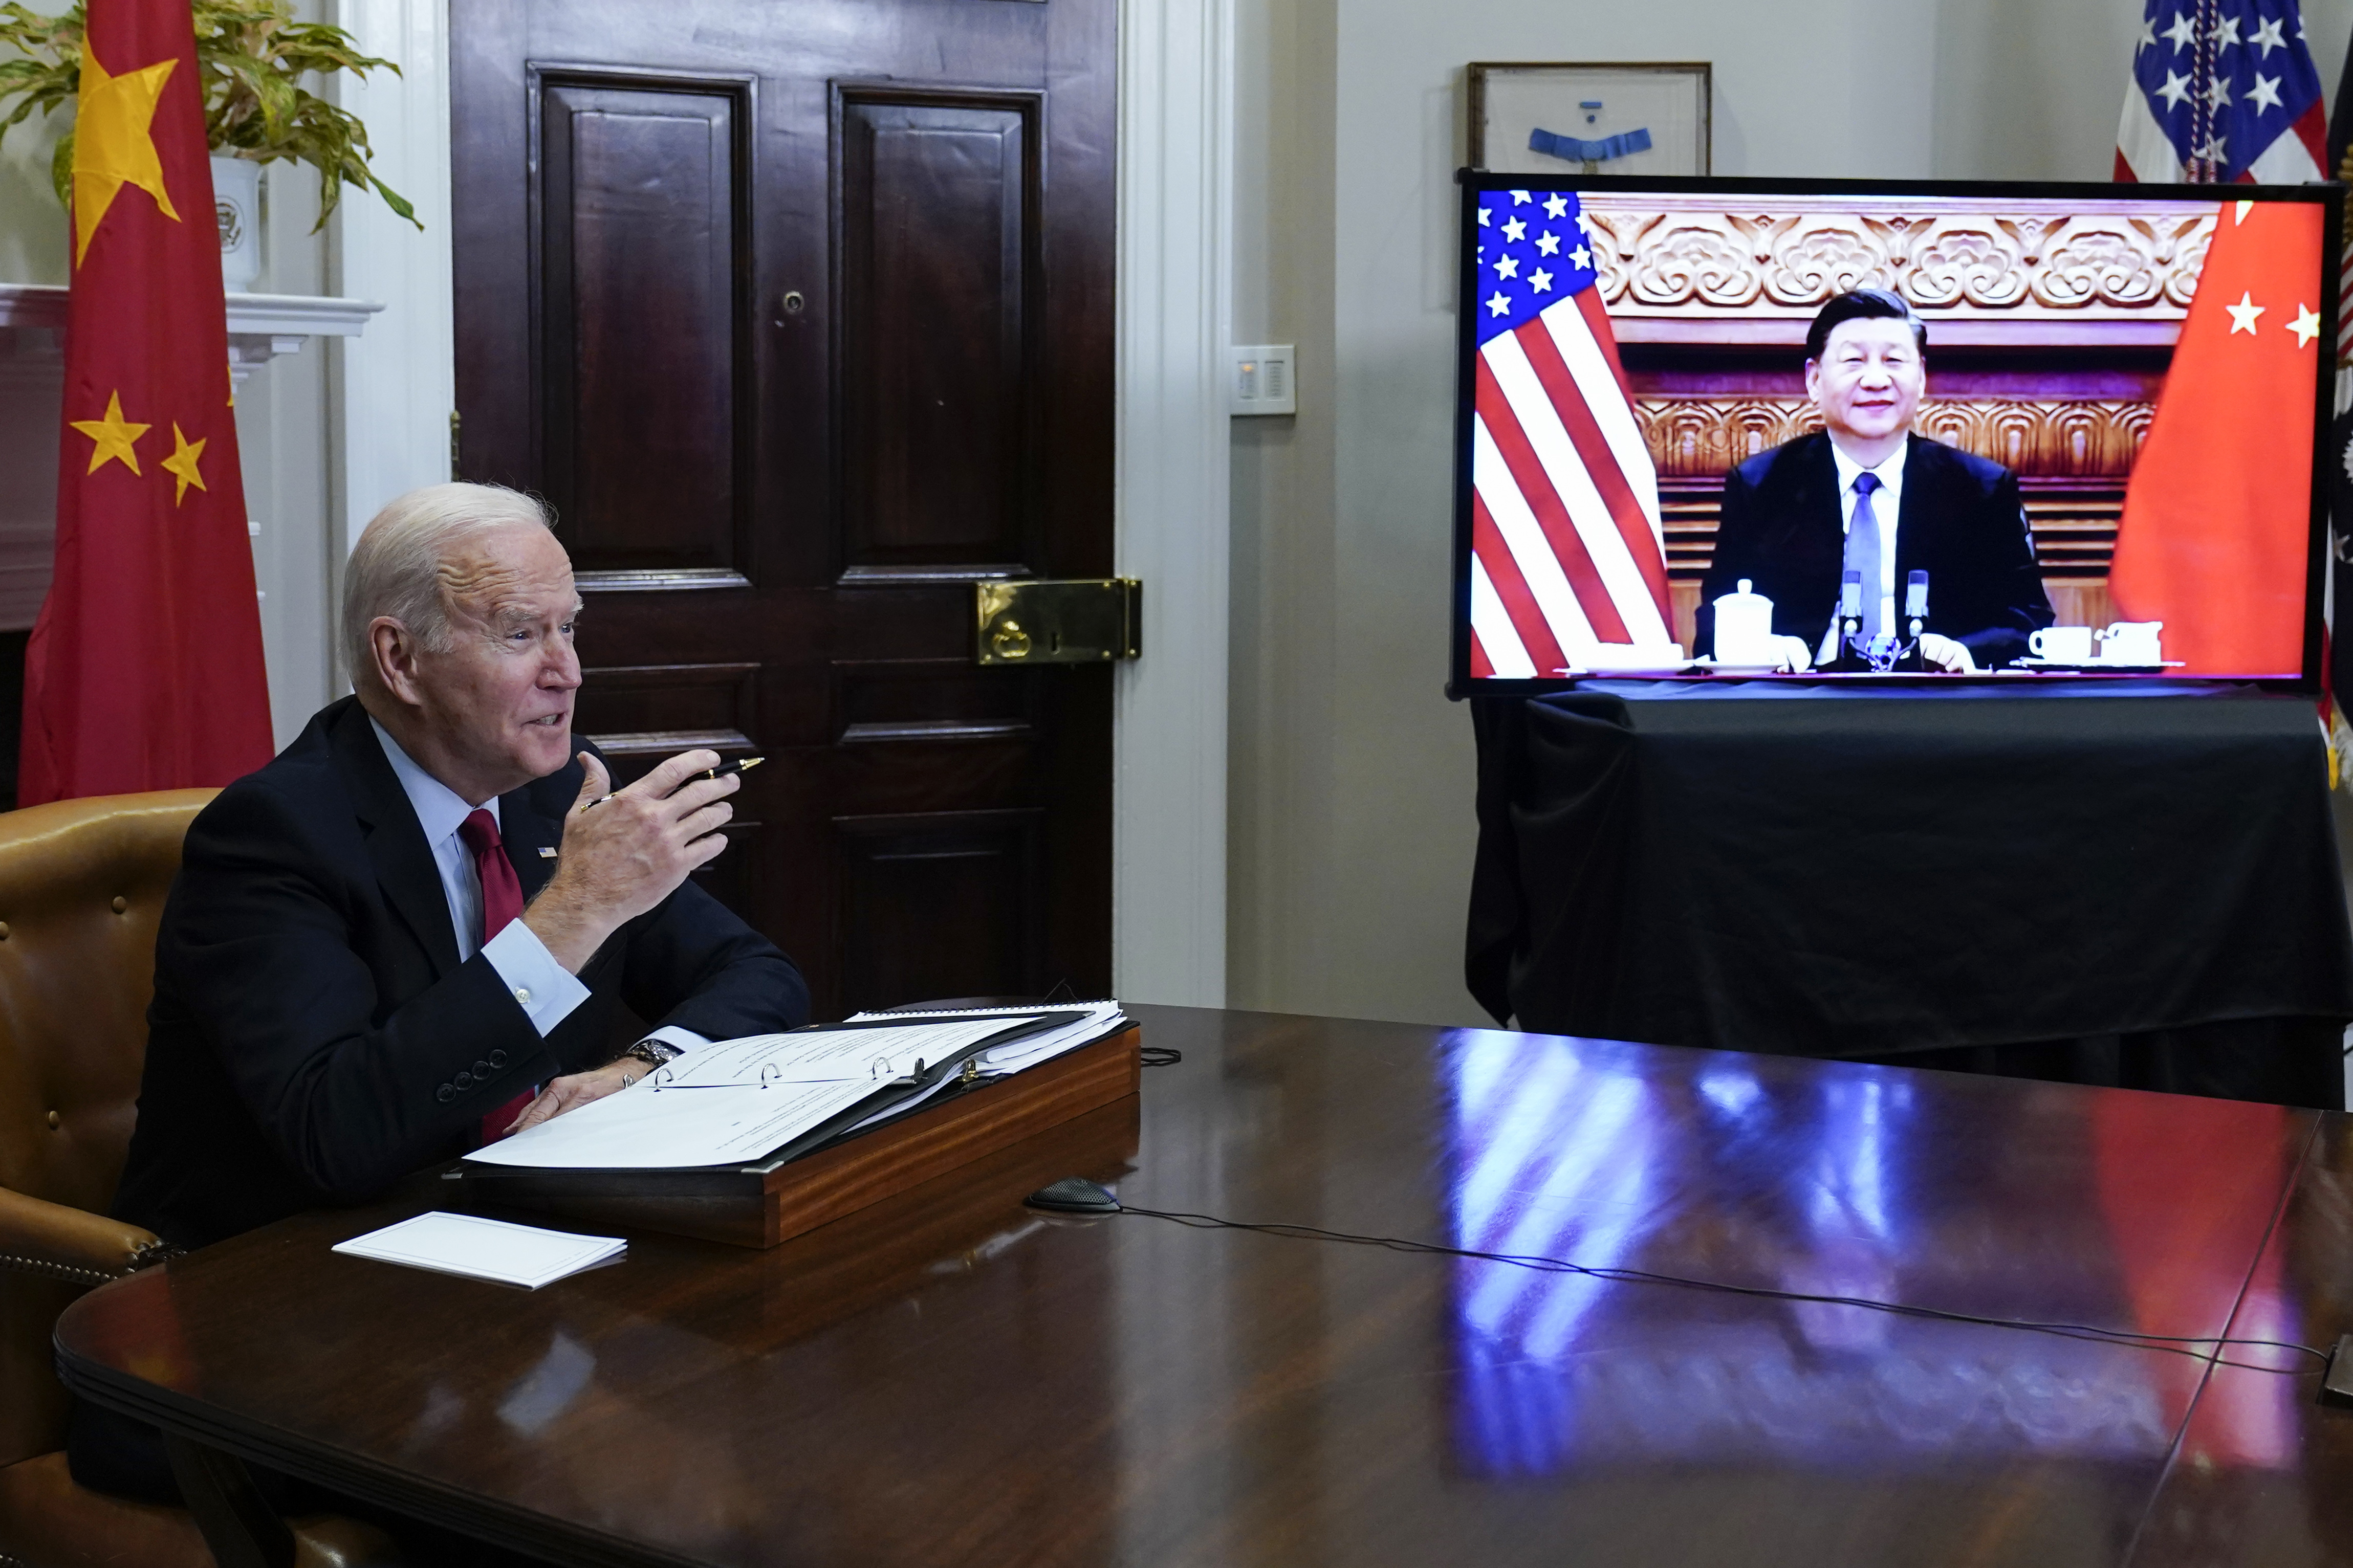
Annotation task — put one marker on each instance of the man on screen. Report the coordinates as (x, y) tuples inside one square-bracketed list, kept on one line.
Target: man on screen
[(1790, 515)]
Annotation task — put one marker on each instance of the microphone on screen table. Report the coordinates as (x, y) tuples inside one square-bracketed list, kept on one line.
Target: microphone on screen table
[(1915, 602)]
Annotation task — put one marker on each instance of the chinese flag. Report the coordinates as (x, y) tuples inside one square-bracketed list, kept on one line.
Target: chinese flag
[(145, 670), (2218, 512)]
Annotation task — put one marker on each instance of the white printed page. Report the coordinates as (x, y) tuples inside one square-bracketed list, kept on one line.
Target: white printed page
[(646, 1127), (1099, 1020), (735, 1100), (832, 1055)]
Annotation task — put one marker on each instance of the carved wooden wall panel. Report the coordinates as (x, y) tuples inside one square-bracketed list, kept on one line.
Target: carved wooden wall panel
[(1704, 436), (2034, 264)]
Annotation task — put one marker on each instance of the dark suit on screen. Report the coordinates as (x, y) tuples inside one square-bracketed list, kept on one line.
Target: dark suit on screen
[(1961, 522), (313, 1036)]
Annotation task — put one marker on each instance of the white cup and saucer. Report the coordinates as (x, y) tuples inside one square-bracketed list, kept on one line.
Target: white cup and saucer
[(2061, 645)]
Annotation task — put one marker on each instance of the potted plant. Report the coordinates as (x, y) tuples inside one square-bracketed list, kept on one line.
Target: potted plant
[(251, 55)]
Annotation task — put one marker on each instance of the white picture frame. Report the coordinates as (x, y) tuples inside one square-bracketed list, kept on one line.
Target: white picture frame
[(1640, 117)]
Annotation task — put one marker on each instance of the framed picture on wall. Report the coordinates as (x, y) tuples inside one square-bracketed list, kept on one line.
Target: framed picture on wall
[(1570, 119)]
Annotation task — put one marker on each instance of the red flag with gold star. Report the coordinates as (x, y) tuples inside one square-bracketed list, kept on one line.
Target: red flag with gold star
[(2218, 512), (144, 670)]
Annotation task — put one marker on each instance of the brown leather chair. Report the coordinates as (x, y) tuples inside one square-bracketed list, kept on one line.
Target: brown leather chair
[(81, 890)]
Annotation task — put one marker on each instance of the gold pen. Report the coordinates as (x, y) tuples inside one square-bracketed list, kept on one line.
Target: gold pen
[(740, 765)]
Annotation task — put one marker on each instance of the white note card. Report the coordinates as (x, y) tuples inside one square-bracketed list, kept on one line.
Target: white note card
[(481, 1248)]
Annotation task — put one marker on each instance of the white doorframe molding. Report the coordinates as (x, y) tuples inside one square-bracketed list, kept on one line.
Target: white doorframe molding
[(393, 392), (1175, 455)]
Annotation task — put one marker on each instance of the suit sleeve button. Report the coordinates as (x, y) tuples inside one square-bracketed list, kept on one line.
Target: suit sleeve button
[(498, 1058), (445, 1094), (463, 1080), (482, 1070)]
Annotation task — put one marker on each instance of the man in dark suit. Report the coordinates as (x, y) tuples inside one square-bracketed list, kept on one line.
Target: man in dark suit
[(407, 933), (1789, 520)]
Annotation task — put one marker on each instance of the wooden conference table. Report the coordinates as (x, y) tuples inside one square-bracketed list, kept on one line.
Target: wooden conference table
[(949, 1378)]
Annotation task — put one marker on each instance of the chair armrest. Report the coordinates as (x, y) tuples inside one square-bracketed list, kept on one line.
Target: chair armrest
[(63, 1243)]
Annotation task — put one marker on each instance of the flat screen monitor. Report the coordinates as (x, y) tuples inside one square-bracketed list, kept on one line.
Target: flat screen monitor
[(1862, 431)]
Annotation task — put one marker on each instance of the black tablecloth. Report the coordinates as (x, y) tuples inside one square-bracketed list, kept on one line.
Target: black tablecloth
[(1862, 876)]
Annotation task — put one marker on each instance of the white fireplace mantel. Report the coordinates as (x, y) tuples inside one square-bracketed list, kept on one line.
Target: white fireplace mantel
[(260, 326)]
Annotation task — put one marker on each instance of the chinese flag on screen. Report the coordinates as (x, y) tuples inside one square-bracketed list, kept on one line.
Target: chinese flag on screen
[(144, 670), (2219, 509)]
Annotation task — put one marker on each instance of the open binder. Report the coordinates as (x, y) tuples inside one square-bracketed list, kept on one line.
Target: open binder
[(751, 1140)]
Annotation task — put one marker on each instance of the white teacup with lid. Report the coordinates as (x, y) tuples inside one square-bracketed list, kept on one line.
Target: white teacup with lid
[(2132, 642), (1743, 628)]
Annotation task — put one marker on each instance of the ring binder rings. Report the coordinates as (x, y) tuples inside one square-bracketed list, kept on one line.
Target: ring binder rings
[(891, 1137)]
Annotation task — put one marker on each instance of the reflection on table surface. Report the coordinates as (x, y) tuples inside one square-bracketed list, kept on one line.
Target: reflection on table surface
[(1587, 1156), (949, 1378)]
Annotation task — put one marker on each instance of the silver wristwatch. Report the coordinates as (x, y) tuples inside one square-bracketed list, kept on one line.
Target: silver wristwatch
[(653, 1053)]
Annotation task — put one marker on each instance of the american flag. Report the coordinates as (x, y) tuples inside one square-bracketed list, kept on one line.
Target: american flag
[(2222, 90), (1566, 550), (2225, 91)]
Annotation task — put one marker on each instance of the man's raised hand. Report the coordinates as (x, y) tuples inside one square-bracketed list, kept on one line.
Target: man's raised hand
[(629, 852)]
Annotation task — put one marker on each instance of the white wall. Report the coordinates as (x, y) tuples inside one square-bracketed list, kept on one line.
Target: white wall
[(288, 459), (32, 225), (1352, 778)]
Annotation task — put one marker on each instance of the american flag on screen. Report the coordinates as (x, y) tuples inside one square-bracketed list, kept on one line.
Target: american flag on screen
[(2222, 90), (1566, 546)]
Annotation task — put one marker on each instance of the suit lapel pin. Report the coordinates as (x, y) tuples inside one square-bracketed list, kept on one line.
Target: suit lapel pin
[(546, 853)]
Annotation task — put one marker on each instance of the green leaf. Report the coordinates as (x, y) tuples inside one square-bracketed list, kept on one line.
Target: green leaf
[(393, 200), (251, 57)]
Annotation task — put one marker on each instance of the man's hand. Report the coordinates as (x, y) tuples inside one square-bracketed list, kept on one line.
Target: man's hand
[(1796, 657), (625, 852), (571, 1092), (1945, 654)]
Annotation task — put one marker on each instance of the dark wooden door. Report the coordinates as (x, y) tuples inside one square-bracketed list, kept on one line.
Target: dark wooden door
[(800, 311)]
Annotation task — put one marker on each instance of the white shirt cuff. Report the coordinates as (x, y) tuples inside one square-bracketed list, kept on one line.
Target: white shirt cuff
[(546, 991), (684, 1039)]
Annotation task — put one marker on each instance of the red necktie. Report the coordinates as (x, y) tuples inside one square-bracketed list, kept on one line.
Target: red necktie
[(501, 902)]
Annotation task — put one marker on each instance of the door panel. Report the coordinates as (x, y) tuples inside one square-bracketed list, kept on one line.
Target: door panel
[(640, 323), (800, 313), (940, 904), (670, 707), (929, 699), (937, 256)]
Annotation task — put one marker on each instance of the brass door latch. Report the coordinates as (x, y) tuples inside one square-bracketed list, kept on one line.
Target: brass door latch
[(1082, 621)]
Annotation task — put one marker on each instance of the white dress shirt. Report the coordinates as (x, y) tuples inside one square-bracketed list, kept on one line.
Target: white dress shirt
[(1886, 505), (546, 991)]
